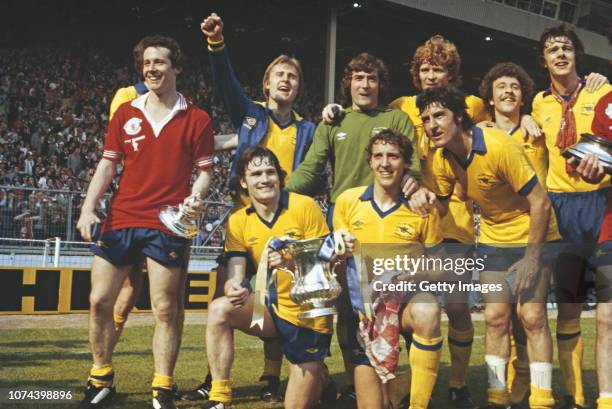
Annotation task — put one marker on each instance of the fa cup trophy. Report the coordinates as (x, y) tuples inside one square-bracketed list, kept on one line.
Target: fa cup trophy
[(595, 145), (315, 283), (175, 218)]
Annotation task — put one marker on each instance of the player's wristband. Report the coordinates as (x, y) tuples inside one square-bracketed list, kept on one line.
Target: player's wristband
[(216, 45)]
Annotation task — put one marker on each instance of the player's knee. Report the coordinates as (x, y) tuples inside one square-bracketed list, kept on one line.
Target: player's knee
[(425, 317), (497, 319), (533, 319), (218, 311), (165, 310), (567, 311), (100, 303), (456, 311)]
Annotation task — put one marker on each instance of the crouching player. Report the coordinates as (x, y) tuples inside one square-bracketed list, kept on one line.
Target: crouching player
[(515, 213), (305, 342), (378, 213)]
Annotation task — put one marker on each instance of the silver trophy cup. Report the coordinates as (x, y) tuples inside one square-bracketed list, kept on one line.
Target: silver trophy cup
[(175, 219), (315, 283), (592, 144)]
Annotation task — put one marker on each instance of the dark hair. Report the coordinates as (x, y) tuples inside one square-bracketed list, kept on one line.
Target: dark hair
[(507, 69), (437, 51), (450, 98), (392, 137), (261, 153), (367, 63), (562, 30), (176, 55)]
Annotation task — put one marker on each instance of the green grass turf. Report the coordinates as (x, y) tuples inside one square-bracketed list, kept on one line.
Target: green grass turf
[(59, 358)]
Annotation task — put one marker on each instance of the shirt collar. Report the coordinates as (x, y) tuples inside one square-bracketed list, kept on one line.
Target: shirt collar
[(478, 142), (283, 202), (368, 195), (179, 105)]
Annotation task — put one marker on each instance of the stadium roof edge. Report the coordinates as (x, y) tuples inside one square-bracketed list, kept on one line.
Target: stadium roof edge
[(506, 19)]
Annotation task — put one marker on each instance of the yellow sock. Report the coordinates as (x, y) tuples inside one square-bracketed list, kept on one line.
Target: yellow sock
[(161, 382), (119, 322), (272, 368), (424, 360), (221, 391), (460, 348), (541, 398), (570, 349), (101, 376), (604, 403), (518, 372), (499, 397)]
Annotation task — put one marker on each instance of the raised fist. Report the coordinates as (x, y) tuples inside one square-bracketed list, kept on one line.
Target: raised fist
[(212, 27)]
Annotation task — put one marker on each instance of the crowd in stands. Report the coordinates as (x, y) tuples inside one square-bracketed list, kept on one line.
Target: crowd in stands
[(53, 116)]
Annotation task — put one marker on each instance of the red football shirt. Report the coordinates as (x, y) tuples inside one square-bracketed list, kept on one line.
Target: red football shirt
[(602, 127), (158, 160)]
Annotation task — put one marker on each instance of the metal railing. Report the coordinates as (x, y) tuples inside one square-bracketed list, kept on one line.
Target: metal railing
[(35, 215)]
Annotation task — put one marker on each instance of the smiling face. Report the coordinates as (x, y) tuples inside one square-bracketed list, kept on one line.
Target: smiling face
[(560, 56), (507, 96), (157, 70), (387, 164), (433, 75), (440, 124), (365, 87), (283, 84), (261, 180)]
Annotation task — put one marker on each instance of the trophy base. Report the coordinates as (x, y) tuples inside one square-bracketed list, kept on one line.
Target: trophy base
[(318, 312), (171, 220)]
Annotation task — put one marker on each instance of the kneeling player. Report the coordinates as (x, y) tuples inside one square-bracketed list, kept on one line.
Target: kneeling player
[(379, 214), (305, 342)]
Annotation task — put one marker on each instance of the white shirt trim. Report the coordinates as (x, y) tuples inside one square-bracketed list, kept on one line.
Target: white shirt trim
[(179, 105)]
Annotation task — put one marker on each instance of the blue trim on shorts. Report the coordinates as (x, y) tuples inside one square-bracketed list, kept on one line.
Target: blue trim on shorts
[(301, 345), (580, 214), (126, 246)]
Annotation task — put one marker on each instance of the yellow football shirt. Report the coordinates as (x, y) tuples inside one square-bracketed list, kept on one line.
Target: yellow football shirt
[(547, 113), (297, 217), (281, 141), (458, 224), (497, 175)]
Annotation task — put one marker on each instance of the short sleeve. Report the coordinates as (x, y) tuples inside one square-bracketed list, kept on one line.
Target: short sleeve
[(234, 237), (204, 148), (314, 221), (431, 235), (477, 109), (340, 220), (113, 148), (443, 176), (516, 169)]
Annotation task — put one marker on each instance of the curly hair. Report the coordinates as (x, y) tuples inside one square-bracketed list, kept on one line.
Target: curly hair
[(450, 98), (393, 138), (176, 54), (283, 60), (562, 30), (507, 69), (438, 51), (367, 63)]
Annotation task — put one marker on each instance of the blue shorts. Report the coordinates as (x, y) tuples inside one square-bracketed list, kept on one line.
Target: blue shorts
[(501, 258), (301, 345), (579, 214), (127, 246)]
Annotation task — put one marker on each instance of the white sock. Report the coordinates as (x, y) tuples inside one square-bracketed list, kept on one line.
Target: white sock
[(496, 370), (541, 375)]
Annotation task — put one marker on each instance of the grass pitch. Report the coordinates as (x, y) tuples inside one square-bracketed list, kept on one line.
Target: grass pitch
[(60, 358)]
